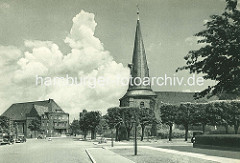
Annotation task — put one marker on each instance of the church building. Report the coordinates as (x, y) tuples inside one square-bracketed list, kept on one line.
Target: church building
[(139, 95)]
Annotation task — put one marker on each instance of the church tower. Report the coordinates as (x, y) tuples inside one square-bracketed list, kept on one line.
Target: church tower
[(139, 93)]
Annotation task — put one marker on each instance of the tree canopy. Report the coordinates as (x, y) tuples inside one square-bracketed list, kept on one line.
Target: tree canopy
[(4, 123), (75, 127), (92, 120), (219, 58), (168, 116), (35, 125)]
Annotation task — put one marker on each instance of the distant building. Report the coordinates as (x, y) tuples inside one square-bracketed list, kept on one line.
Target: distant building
[(54, 121)]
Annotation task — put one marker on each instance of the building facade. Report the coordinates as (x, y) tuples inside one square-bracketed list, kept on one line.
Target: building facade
[(53, 120)]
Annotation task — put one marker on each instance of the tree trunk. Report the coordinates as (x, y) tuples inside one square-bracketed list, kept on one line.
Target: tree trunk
[(143, 128), (236, 129), (85, 135), (170, 133), (128, 133), (186, 132), (154, 130), (226, 127), (203, 128), (92, 134), (2, 130)]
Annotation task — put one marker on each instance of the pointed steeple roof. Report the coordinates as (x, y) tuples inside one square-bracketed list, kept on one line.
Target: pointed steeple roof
[(139, 60), (139, 67)]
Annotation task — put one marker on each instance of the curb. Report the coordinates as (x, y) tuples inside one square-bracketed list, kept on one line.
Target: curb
[(90, 156)]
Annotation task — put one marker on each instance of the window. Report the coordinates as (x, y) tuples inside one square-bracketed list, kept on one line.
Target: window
[(141, 104)]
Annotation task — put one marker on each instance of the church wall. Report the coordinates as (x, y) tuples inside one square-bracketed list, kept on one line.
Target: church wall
[(136, 102)]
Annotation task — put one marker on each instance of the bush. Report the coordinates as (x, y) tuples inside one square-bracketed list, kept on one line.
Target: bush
[(219, 140), (163, 134), (108, 134)]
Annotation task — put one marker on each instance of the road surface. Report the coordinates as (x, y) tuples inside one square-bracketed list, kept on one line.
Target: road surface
[(59, 150)]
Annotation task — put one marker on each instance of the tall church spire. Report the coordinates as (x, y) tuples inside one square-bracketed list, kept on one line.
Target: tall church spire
[(139, 92), (139, 67)]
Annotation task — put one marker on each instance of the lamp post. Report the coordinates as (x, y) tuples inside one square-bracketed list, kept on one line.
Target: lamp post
[(135, 137)]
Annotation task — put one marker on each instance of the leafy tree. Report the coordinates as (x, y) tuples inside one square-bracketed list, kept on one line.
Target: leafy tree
[(168, 116), (234, 115), (225, 113), (185, 116), (217, 113), (4, 123), (92, 119), (219, 59), (200, 116), (103, 126), (146, 117), (114, 120), (129, 115), (83, 123), (35, 125), (75, 127)]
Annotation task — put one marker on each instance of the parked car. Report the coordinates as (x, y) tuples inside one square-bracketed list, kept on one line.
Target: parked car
[(194, 135), (40, 137), (7, 140), (21, 139)]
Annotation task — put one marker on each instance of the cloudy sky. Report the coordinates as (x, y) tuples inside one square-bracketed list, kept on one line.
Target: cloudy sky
[(92, 38)]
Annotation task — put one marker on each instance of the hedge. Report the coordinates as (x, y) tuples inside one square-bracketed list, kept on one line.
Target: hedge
[(231, 141), (164, 134)]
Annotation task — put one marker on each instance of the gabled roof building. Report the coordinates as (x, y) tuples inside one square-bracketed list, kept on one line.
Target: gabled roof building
[(54, 121)]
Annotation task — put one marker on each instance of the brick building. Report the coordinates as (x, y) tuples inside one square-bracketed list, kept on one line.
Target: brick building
[(54, 121)]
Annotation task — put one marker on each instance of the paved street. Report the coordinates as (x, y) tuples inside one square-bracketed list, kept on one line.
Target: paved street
[(66, 150), (59, 150)]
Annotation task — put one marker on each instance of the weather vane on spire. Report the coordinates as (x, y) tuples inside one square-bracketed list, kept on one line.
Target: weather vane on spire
[(137, 11)]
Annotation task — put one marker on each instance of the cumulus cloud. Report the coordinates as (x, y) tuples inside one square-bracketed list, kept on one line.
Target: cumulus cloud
[(87, 58), (8, 56)]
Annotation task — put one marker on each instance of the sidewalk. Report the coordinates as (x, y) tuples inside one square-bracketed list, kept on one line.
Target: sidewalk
[(195, 155), (101, 155), (201, 156)]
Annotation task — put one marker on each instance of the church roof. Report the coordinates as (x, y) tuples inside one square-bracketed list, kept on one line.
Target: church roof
[(139, 67), (19, 111), (179, 97)]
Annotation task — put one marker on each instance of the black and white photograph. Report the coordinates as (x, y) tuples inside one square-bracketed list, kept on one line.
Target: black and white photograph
[(119, 81)]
